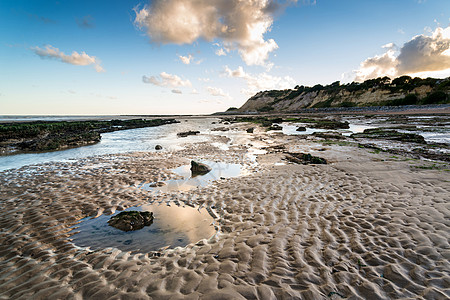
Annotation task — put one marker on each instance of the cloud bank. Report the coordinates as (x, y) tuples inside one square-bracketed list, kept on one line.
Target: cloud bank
[(166, 80), (259, 82), (78, 59), (240, 25), (423, 54), (217, 92)]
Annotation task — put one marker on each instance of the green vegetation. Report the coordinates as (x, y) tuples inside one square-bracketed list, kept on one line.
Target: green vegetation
[(47, 136)]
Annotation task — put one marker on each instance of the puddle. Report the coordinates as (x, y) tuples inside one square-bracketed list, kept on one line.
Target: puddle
[(173, 226), (290, 129), (220, 170)]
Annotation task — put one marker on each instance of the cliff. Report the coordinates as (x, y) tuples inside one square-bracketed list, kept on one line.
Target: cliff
[(403, 90)]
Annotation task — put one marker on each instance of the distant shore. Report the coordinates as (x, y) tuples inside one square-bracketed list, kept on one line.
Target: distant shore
[(404, 109)]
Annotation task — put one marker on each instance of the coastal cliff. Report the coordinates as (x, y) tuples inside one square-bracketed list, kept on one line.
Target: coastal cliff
[(403, 90)]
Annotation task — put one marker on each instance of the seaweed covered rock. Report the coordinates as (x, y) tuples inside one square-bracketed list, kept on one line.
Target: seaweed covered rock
[(301, 128), (131, 220), (199, 168), (330, 124), (389, 134), (304, 158)]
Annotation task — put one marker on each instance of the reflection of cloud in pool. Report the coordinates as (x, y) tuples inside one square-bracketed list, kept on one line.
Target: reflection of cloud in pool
[(188, 221), (219, 170), (172, 226)]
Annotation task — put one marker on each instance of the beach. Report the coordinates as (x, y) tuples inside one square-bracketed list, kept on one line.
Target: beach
[(366, 225)]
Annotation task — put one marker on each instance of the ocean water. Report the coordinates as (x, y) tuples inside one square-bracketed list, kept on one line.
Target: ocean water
[(145, 139), (123, 141)]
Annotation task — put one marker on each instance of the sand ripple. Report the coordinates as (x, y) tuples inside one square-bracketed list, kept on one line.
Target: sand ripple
[(359, 230)]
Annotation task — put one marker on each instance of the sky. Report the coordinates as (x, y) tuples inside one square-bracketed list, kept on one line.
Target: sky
[(131, 57)]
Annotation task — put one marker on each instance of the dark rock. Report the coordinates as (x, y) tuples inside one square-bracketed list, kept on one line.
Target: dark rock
[(250, 130), (380, 133), (157, 184), (329, 135), (187, 133), (330, 124), (275, 127), (301, 128), (199, 168), (131, 220), (220, 129), (158, 147), (304, 159)]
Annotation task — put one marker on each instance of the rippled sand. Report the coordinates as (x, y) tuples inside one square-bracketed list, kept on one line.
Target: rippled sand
[(365, 226)]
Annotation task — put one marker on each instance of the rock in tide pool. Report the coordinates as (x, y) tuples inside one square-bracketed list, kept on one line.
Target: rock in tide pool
[(250, 130), (158, 147), (301, 128), (131, 220), (199, 168)]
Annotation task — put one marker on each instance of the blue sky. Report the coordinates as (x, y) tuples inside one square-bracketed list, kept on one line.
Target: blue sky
[(203, 56)]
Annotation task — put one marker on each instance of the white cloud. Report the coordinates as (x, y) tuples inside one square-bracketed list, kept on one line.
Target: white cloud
[(166, 80), (240, 25), (79, 59), (259, 82), (221, 52), (186, 59), (217, 92), (423, 54), (195, 92), (175, 91)]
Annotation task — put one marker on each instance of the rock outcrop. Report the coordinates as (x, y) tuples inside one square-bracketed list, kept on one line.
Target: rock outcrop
[(375, 92)]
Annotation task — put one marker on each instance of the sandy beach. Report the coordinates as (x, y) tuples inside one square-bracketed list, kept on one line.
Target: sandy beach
[(366, 225)]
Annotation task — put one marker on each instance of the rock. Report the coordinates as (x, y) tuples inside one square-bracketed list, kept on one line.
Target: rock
[(304, 158), (157, 184), (250, 130), (386, 134), (199, 168), (275, 127), (185, 134), (330, 124), (158, 147), (220, 129), (301, 128), (131, 220), (329, 135)]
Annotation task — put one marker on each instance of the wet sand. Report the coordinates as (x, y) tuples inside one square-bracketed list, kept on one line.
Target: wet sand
[(365, 226)]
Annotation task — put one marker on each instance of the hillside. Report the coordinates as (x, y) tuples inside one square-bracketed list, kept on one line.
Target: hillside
[(403, 90)]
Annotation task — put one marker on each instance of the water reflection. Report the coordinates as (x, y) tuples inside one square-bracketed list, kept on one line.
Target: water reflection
[(220, 170), (172, 226)]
